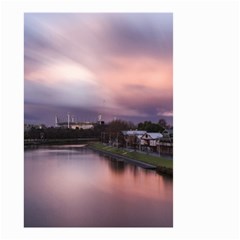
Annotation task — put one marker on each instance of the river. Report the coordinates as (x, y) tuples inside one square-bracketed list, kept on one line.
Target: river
[(73, 186)]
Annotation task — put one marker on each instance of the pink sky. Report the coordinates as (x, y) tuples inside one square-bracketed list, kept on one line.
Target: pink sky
[(119, 65)]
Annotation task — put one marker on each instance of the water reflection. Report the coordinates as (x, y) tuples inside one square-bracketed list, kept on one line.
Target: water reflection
[(74, 186), (116, 165)]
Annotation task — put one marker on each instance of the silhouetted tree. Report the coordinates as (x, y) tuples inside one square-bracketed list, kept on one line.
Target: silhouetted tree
[(150, 127), (162, 122), (114, 128), (119, 125)]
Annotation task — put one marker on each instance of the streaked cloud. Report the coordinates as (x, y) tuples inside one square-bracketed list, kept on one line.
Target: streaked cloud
[(119, 64), (165, 114)]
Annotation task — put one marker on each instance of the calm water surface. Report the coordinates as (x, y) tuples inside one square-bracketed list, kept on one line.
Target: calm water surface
[(72, 186)]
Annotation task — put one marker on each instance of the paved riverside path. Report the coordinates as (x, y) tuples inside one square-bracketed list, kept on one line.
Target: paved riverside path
[(168, 157)]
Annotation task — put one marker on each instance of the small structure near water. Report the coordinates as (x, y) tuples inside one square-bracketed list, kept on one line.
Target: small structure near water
[(161, 143)]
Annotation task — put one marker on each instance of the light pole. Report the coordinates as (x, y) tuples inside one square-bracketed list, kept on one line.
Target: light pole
[(117, 139)]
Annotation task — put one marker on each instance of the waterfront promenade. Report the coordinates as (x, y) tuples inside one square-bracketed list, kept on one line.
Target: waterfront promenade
[(150, 161)]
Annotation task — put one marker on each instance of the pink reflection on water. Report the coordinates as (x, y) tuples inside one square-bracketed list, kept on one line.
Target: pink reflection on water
[(73, 187)]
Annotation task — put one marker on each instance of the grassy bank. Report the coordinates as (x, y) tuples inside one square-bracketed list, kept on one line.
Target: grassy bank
[(156, 161)]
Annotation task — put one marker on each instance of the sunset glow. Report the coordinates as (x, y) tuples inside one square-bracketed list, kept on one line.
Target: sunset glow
[(116, 64)]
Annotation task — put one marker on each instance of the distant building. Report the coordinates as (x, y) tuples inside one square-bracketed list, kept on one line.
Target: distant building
[(132, 138), (133, 132), (28, 127), (161, 143), (150, 139), (165, 144), (76, 125), (168, 133), (72, 124)]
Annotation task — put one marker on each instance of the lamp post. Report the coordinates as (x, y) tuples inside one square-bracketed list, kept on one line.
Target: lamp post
[(117, 139)]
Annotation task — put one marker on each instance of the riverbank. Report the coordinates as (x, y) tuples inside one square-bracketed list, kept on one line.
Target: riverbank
[(33, 142), (160, 164)]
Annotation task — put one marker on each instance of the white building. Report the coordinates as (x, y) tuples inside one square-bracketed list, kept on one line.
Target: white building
[(72, 124), (76, 125), (150, 139)]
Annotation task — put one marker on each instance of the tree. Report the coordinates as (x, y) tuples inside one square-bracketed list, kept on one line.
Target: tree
[(162, 122), (150, 127), (119, 125), (115, 127)]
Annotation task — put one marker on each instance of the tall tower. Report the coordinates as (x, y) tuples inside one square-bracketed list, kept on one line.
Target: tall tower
[(68, 119), (56, 121), (100, 121)]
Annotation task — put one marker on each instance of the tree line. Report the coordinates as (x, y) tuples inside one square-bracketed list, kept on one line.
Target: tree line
[(114, 128)]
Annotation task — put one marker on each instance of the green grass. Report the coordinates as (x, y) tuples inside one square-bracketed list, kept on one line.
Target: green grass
[(156, 161)]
